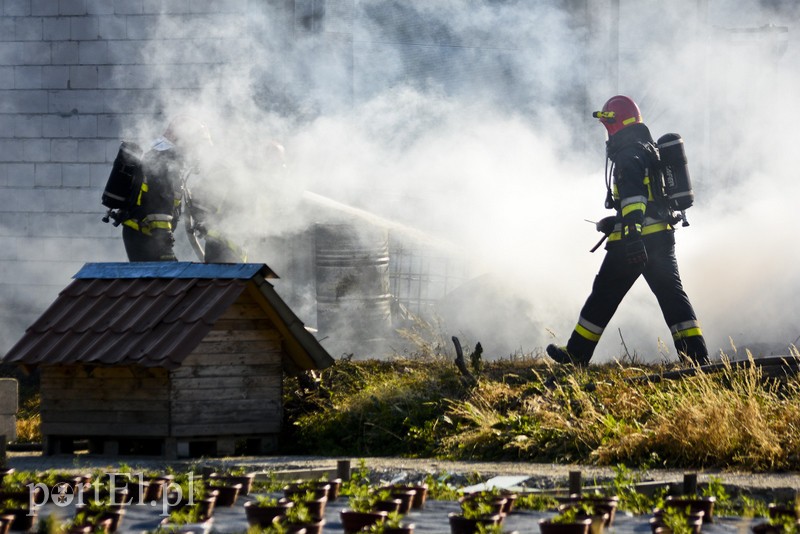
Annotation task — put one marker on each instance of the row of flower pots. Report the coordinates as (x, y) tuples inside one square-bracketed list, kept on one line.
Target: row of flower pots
[(100, 502), (302, 508)]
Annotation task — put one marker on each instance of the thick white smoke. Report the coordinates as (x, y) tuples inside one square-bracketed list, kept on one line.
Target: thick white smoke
[(472, 125)]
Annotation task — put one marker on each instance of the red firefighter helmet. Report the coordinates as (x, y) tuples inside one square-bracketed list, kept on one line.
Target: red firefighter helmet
[(187, 132), (618, 112)]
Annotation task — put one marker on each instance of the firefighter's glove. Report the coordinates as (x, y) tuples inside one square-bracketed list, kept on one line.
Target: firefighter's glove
[(606, 224), (635, 253)]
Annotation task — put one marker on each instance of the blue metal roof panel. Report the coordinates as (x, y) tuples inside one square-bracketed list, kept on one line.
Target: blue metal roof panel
[(179, 269)]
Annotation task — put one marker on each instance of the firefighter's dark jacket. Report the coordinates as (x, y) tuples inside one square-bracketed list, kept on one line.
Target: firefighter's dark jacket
[(158, 203), (634, 157)]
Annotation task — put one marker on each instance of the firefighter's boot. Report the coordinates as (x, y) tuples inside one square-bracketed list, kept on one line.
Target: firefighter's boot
[(563, 356), (692, 350)]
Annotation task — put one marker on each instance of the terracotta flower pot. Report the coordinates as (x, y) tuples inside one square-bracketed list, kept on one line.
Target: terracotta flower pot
[(420, 493), (295, 491), (389, 505), (580, 526), (208, 504), (154, 487), (22, 519), (245, 480), (114, 515), (335, 487), (776, 511), (406, 497), (699, 504), (497, 502), (599, 522), (353, 521), (600, 503), (227, 494), (421, 496), (308, 528), (191, 528), (769, 528), (5, 523), (462, 525), (316, 507), (263, 516), (600, 519), (511, 499), (694, 520), (102, 526)]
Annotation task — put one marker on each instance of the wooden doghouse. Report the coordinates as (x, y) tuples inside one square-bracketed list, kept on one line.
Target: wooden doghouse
[(178, 359)]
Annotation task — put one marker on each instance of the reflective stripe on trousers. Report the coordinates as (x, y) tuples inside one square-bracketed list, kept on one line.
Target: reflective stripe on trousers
[(685, 329), (588, 330)]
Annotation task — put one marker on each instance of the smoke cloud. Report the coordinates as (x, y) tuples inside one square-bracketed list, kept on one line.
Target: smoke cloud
[(471, 125)]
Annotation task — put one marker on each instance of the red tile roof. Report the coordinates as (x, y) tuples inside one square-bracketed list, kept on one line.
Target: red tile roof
[(152, 315)]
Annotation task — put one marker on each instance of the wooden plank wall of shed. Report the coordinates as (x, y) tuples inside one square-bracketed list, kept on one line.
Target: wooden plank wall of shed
[(231, 383), (121, 401)]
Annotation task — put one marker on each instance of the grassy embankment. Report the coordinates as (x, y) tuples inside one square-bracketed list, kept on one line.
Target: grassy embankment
[(524, 409)]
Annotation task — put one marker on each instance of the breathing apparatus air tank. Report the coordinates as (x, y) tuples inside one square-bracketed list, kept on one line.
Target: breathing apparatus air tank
[(677, 183), (125, 173)]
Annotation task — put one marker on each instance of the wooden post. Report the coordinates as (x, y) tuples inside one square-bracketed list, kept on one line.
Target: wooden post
[(343, 470), (575, 483)]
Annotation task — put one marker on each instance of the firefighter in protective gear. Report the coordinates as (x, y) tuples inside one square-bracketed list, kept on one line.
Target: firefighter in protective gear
[(148, 228), (209, 204), (641, 241)]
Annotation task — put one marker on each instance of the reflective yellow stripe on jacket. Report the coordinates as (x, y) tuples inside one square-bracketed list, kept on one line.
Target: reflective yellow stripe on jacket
[(647, 229), (156, 221)]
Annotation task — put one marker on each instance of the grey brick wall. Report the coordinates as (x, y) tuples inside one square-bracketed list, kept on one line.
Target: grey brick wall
[(76, 76)]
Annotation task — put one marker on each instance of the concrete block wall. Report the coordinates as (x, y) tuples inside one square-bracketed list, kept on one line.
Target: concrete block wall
[(76, 76)]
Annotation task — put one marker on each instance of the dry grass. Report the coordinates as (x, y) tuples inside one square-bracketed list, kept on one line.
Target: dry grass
[(29, 421), (734, 418), (28, 429), (524, 409)]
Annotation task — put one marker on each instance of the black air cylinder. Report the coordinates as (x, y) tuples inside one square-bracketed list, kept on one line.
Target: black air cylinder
[(124, 172), (677, 182)]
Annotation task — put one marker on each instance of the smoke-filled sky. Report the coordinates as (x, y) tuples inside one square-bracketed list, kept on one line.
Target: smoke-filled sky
[(472, 124)]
